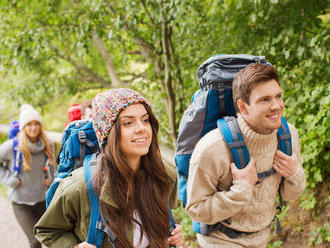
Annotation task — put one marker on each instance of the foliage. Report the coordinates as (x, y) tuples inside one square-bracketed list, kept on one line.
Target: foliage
[(49, 50), (50, 57), (308, 200), (320, 235), (183, 219), (276, 244)]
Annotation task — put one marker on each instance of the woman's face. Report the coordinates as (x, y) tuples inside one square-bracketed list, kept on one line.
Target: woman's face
[(32, 130), (135, 133)]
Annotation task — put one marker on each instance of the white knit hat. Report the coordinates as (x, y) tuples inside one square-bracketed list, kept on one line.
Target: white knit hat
[(27, 114)]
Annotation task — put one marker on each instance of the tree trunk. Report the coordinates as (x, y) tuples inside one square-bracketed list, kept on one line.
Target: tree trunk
[(168, 80), (99, 44)]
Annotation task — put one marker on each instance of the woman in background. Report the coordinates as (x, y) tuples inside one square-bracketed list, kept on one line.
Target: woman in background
[(27, 176)]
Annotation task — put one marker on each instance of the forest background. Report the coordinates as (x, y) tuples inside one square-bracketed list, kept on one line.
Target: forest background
[(54, 53)]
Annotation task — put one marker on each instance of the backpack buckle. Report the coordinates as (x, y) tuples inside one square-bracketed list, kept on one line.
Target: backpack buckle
[(82, 136)]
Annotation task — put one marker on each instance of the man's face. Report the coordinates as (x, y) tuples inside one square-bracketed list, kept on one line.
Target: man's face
[(264, 112), (88, 114)]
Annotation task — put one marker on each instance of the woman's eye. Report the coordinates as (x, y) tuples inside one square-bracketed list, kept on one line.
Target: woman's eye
[(127, 123), (146, 120)]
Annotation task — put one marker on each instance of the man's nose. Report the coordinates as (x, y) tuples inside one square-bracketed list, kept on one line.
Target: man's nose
[(276, 104)]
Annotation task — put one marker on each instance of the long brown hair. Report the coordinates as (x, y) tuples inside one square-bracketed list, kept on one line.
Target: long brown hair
[(146, 191), (24, 148)]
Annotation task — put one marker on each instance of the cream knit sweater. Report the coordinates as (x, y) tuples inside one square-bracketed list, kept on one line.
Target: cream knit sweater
[(213, 196)]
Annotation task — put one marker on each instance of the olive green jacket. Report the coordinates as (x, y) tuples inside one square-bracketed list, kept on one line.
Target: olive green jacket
[(66, 221)]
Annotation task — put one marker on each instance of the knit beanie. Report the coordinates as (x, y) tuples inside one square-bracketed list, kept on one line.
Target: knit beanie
[(107, 107), (27, 114)]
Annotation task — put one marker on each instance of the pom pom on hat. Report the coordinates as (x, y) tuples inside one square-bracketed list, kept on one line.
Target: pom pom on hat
[(27, 114), (107, 107)]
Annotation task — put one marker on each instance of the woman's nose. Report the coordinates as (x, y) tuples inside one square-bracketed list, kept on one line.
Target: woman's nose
[(140, 126)]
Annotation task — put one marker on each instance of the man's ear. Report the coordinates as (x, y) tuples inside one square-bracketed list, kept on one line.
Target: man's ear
[(242, 108)]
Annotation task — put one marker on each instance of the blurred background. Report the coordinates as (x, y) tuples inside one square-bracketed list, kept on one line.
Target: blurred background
[(56, 53)]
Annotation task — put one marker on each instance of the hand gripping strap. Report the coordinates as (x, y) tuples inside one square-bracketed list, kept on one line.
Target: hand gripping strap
[(172, 224), (234, 140), (284, 138), (95, 231)]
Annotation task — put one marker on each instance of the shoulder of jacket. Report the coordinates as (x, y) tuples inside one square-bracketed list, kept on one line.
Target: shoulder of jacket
[(74, 183)]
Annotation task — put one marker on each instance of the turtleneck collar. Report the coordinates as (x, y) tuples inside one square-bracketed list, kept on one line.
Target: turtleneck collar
[(36, 147), (257, 143)]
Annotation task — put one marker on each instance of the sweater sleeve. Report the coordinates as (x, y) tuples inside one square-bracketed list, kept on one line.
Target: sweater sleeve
[(294, 186), (209, 169), (56, 227), (7, 176)]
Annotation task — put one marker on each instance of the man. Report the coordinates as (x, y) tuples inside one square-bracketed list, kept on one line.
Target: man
[(219, 192)]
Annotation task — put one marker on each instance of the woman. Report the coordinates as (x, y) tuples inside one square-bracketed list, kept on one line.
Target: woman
[(134, 186), (29, 181)]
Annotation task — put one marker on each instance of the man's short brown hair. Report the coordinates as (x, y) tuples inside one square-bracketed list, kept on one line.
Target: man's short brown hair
[(249, 77)]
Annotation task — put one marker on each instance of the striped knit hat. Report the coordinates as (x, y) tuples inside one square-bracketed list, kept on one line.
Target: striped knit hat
[(107, 107)]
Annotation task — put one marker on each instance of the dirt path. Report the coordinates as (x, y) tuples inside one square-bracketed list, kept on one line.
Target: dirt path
[(11, 235)]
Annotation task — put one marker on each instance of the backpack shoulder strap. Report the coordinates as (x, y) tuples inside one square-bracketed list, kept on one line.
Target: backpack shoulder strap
[(83, 142), (95, 231), (284, 138), (234, 139), (17, 157), (172, 222)]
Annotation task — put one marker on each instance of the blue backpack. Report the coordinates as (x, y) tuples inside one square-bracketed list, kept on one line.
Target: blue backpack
[(12, 134), (212, 107), (13, 129), (80, 148)]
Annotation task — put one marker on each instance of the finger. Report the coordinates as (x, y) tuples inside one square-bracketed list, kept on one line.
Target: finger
[(280, 160), (280, 154), (252, 163), (174, 239), (176, 233), (177, 229), (278, 169), (233, 167), (177, 241)]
